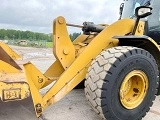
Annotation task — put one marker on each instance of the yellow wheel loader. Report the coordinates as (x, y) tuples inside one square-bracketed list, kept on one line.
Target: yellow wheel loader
[(119, 63)]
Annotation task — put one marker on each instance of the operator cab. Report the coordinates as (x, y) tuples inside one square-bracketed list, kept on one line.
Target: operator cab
[(152, 22)]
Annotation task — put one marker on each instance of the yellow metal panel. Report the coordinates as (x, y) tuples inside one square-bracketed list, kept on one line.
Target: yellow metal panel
[(9, 51), (11, 91), (7, 68), (84, 39), (12, 77), (69, 86), (53, 72), (80, 38), (6, 58), (13, 86), (81, 42), (79, 49), (140, 28), (36, 96), (33, 74), (63, 48)]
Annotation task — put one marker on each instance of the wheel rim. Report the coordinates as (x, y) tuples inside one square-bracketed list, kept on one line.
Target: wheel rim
[(133, 89)]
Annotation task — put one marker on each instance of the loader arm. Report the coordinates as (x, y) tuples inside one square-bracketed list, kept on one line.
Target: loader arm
[(70, 69)]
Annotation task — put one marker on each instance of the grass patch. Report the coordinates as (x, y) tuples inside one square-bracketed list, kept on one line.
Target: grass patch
[(49, 44)]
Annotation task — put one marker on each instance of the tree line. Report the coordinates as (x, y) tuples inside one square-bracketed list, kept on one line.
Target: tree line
[(9, 34)]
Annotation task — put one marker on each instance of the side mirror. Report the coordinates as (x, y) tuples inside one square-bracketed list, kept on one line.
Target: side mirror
[(141, 12), (121, 10)]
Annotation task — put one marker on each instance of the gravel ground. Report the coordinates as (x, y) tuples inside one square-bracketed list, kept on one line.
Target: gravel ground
[(73, 106)]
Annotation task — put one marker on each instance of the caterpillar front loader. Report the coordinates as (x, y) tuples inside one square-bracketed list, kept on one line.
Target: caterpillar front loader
[(119, 63)]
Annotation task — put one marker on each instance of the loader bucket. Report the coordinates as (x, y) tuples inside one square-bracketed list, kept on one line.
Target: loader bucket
[(18, 110), (15, 100)]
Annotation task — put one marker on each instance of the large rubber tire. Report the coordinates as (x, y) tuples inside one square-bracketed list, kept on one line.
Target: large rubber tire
[(106, 75)]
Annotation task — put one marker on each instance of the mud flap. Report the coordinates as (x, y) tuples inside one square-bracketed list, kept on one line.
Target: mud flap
[(18, 110)]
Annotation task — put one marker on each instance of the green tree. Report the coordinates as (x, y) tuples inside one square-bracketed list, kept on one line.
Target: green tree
[(74, 36), (6, 38)]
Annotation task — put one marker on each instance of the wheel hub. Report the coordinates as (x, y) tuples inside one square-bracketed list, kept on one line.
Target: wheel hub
[(133, 89)]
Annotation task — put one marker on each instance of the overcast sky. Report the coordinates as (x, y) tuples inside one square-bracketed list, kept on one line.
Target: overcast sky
[(38, 15)]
